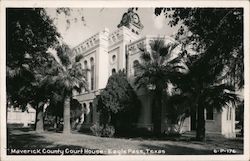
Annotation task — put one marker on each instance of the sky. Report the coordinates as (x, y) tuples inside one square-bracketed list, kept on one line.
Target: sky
[(96, 19)]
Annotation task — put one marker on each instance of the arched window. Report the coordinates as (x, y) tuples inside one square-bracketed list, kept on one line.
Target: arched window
[(136, 67), (113, 71), (91, 60), (91, 112), (84, 109), (85, 64), (92, 70), (84, 106), (113, 58)]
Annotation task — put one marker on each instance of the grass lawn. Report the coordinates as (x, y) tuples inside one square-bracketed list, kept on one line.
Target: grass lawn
[(25, 139)]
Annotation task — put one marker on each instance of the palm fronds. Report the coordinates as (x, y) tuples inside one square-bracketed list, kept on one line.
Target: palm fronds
[(157, 65)]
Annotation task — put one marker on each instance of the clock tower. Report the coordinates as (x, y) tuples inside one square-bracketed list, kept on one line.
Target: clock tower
[(131, 20)]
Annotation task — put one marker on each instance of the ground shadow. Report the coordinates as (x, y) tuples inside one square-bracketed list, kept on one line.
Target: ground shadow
[(22, 140)]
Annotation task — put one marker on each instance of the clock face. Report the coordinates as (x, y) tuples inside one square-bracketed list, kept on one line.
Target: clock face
[(136, 18)]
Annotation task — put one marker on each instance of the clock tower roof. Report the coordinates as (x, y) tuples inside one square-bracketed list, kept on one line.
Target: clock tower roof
[(131, 20)]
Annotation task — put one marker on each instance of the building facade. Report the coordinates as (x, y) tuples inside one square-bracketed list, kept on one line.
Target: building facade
[(107, 52)]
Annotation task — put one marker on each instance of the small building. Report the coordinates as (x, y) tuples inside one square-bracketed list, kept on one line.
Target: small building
[(16, 115), (107, 52)]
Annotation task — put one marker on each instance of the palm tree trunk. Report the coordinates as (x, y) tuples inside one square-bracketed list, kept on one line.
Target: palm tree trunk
[(39, 126), (157, 106), (66, 116), (55, 123), (200, 131)]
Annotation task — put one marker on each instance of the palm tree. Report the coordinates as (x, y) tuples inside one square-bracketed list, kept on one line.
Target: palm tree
[(202, 88), (157, 69), (70, 76)]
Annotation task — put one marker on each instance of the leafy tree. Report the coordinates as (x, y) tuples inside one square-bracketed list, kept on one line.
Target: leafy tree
[(216, 35), (55, 109), (68, 12), (44, 92), (118, 103), (214, 31), (30, 32), (157, 69)]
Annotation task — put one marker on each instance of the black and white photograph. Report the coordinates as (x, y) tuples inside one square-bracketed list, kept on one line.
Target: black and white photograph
[(125, 79)]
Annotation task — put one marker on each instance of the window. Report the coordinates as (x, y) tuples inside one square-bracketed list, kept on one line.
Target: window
[(113, 58), (136, 67), (91, 60), (113, 71), (91, 112), (84, 109), (85, 64), (229, 113), (92, 73), (209, 114)]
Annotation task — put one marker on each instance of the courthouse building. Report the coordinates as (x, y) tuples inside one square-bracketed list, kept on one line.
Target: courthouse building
[(107, 52)]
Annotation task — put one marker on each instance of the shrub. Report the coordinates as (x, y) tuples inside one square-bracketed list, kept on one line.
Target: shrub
[(173, 130), (108, 131), (117, 104), (99, 130), (96, 130)]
